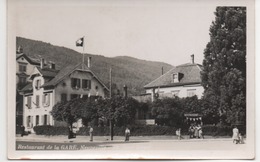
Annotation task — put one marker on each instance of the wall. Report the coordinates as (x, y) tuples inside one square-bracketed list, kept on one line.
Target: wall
[(29, 67), (64, 87), (41, 110), (183, 91)]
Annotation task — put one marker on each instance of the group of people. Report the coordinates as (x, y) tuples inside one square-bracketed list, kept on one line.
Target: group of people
[(127, 133), (195, 131)]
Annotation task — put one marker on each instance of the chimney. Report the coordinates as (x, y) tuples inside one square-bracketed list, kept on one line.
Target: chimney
[(89, 62), (42, 63), (162, 70), (19, 50), (192, 58), (125, 91)]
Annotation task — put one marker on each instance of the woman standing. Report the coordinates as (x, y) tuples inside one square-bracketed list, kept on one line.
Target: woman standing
[(235, 135)]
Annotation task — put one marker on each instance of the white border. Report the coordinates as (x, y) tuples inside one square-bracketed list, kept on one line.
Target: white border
[(11, 91)]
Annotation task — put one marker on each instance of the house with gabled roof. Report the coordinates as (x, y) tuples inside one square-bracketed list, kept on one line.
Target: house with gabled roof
[(24, 67), (182, 81), (50, 86)]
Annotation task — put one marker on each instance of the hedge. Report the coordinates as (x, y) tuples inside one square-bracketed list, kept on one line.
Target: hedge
[(50, 130), (138, 130)]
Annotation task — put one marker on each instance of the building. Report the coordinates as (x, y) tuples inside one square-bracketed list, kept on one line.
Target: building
[(182, 81), (24, 67), (50, 86)]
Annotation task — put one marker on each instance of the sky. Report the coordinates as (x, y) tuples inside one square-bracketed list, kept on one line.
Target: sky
[(166, 31)]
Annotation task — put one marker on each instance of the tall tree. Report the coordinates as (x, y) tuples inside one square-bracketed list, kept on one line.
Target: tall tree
[(69, 111), (224, 72)]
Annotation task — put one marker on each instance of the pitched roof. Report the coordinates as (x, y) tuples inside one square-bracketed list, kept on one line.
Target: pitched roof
[(47, 72), (67, 71), (31, 60), (190, 75), (27, 88)]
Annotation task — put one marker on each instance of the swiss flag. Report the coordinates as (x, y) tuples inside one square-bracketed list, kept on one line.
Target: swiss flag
[(80, 42)]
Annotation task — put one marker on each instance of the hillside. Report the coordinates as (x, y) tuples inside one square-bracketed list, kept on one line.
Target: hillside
[(134, 73)]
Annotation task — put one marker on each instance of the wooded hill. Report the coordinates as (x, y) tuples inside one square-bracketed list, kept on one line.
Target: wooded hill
[(134, 73)]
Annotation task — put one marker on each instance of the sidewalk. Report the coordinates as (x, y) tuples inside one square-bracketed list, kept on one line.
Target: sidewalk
[(84, 139)]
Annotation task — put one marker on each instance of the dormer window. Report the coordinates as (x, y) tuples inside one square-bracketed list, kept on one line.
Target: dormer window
[(22, 67), (175, 78), (38, 84)]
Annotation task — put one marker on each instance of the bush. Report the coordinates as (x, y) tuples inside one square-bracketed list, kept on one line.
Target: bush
[(135, 131), (138, 130), (50, 130), (213, 130)]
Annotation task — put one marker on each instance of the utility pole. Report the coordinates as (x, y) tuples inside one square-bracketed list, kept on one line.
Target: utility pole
[(111, 123)]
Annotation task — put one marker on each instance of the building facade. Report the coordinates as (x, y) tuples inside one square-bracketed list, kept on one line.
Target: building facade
[(24, 68), (182, 81), (50, 86)]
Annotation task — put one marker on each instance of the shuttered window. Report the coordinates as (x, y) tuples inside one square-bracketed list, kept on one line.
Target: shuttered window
[(29, 102), (75, 83), (37, 101), (86, 84)]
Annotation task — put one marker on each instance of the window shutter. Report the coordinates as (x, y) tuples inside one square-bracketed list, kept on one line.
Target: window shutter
[(48, 119), (72, 82), (48, 99), (78, 83), (89, 84)]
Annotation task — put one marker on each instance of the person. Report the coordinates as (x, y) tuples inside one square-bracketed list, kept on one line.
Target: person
[(200, 132), (196, 131), (91, 133), (191, 131), (22, 130), (127, 134), (178, 133), (241, 139), (235, 135)]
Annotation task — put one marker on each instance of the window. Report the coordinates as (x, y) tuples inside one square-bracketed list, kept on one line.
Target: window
[(29, 102), (22, 68), (22, 79), (175, 93), (85, 97), (191, 92), (73, 96), (37, 120), (63, 97), (45, 120), (28, 121), (46, 99), (37, 101), (175, 78), (86, 84), (38, 84), (75, 83)]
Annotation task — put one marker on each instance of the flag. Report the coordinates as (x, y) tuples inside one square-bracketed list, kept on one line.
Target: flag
[(80, 42)]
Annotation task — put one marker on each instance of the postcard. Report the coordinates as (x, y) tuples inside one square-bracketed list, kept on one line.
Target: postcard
[(131, 79)]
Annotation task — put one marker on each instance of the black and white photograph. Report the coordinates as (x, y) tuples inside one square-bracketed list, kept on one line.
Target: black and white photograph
[(131, 79)]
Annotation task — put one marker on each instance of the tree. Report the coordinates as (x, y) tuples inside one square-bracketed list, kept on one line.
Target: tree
[(89, 111), (118, 110), (168, 111), (68, 111), (224, 65)]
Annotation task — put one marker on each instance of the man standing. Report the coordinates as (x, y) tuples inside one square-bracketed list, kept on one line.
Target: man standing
[(127, 134), (91, 133)]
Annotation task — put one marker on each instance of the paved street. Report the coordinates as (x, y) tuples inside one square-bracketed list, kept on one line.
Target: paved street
[(34, 142)]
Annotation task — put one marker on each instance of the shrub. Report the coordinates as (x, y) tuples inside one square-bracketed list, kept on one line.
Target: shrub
[(135, 131), (213, 130), (50, 130)]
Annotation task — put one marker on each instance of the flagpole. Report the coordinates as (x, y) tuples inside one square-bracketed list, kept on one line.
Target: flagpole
[(83, 55)]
